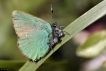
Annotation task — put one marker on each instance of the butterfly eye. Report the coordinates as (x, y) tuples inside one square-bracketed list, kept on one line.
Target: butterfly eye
[(54, 25)]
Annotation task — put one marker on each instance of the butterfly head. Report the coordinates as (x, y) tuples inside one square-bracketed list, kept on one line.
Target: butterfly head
[(57, 31)]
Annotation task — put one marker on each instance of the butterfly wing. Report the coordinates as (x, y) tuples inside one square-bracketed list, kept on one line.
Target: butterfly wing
[(33, 34), (34, 44)]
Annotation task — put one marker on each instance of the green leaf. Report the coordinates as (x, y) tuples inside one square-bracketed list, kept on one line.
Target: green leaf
[(79, 24), (10, 64), (94, 45)]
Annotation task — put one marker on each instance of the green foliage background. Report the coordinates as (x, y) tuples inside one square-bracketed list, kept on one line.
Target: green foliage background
[(65, 11)]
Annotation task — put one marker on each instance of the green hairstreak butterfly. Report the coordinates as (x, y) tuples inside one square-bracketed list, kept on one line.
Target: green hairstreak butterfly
[(35, 36)]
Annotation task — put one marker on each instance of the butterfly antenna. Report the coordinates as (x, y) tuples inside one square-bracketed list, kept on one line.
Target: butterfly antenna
[(51, 14)]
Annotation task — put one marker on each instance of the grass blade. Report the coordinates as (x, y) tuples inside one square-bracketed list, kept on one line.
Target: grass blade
[(79, 24)]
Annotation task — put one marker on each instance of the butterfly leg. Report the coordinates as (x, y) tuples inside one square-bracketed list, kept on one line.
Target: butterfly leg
[(66, 33), (51, 43), (35, 60), (31, 60)]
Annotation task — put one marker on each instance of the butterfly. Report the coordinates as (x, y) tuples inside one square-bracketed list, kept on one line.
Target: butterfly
[(35, 36)]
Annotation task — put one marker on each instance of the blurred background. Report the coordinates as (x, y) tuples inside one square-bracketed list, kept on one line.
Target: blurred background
[(65, 12)]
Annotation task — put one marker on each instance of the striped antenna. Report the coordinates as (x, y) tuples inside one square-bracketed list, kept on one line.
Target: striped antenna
[(51, 14)]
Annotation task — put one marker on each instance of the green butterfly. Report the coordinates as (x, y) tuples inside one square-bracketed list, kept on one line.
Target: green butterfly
[(35, 36)]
